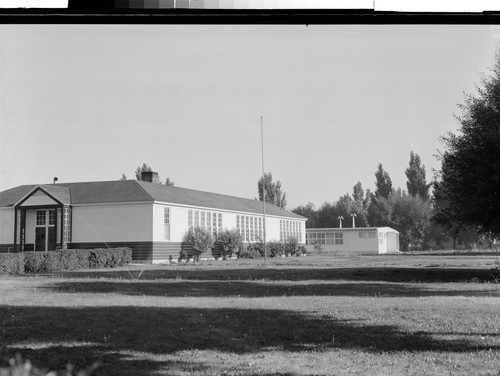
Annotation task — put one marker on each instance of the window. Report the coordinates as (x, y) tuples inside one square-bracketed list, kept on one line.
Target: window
[(372, 234), (209, 222), (202, 219), (40, 217), (196, 218), (219, 215), (214, 223), (52, 217), (59, 224), (67, 225), (363, 234), (166, 223), (190, 219), (339, 238)]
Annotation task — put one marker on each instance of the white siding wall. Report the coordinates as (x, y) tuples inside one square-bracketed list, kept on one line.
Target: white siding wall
[(6, 226), (179, 222), (118, 222), (30, 226)]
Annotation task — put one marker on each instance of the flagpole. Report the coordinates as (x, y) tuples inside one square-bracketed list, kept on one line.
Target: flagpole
[(263, 189)]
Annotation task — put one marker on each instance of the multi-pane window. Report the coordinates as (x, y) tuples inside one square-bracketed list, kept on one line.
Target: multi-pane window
[(290, 229), (40, 217), (250, 228), (324, 237), (210, 221), (67, 225), (166, 223), (52, 217)]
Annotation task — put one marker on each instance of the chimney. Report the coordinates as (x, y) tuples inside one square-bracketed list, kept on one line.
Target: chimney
[(55, 180), (150, 176)]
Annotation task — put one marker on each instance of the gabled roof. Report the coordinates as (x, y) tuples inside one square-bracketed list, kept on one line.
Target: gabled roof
[(191, 197), (140, 191)]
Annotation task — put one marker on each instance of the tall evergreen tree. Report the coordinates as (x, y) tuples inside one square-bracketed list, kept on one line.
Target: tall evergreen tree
[(469, 181), (383, 182), (416, 183), (273, 191)]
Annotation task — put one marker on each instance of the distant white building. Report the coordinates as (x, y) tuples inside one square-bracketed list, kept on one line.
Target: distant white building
[(379, 240), (150, 218)]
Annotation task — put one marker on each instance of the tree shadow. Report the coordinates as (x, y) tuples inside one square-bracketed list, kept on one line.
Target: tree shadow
[(257, 289), (83, 335), (383, 274)]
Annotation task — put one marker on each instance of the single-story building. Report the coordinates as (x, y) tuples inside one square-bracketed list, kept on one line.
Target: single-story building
[(150, 218), (378, 240)]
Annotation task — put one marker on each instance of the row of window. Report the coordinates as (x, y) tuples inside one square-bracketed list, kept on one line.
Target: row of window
[(290, 229), (250, 228), (210, 221), (327, 237), (366, 235)]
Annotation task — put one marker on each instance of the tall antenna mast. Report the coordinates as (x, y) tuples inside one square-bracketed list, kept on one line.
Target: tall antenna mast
[(263, 189)]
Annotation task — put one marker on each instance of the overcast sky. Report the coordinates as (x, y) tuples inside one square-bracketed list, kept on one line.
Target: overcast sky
[(90, 102)]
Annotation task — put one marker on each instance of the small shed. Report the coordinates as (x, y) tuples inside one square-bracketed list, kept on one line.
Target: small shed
[(362, 240)]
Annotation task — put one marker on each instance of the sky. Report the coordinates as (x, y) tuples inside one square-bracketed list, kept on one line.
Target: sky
[(90, 102)]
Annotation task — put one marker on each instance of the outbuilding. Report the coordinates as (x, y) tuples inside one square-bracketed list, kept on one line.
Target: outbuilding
[(150, 218), (375, 240)]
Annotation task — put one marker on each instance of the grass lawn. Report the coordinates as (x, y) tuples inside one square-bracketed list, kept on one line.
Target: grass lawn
[(318, 315)]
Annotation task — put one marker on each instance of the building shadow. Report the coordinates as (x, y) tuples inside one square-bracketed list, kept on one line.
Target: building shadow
[(258, 289), (383, 274)]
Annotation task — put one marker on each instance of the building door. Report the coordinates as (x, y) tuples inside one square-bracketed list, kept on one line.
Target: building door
[(51, 239), (40, 239)]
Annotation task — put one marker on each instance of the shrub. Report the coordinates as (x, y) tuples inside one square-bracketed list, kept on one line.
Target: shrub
[(249, 252), (291, 246), (276, 249), (301, 250), (72, 259), (318, 246), (201, 239), (229, 242), (11, 263), (183, 255)]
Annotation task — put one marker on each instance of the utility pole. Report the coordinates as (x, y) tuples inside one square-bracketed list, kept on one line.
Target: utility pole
[(263, 189)]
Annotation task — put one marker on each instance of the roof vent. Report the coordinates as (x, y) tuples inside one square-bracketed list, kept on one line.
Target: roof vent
[(55, 180)]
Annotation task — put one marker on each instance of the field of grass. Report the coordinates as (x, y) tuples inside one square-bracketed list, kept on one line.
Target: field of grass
[(319, 315)]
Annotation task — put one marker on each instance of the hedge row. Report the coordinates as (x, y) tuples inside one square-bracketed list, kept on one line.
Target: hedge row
[(68, 259)]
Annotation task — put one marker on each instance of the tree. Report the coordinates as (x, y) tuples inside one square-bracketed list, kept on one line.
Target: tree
[(169, 182), (383, 182), (309, 212), (415, 173), (230, 241), (274, 193), (124, 177), (201, 239), (409, 215), (469, 180)]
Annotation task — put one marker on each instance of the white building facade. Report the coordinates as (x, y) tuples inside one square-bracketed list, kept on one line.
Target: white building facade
[(150, 218), (362, 240)]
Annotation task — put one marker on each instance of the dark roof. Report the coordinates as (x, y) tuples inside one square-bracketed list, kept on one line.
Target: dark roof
[(60, 193), (193, 197), (140, 191)]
